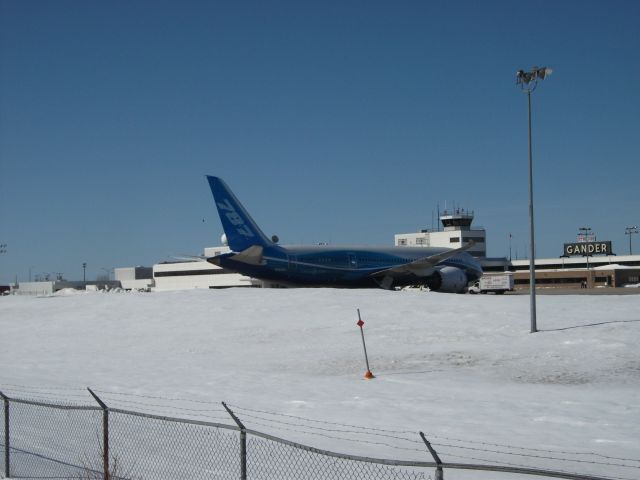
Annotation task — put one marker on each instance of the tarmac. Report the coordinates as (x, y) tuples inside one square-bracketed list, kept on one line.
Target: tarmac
[(580, 291)]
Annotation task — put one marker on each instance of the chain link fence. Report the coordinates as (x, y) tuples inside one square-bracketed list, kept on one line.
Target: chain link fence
[(147, 446), (271, 458), (48, 440)]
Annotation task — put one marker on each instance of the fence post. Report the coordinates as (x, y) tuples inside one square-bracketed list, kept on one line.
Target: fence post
[(105, 435), (5, 400), (243, 443), (439, 471)]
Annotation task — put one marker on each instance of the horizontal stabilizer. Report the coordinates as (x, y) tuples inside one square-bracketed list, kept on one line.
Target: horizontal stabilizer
[(251, 256)]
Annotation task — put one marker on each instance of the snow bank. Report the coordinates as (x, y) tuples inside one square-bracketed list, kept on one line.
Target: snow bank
[(69, 291), (462, 368)]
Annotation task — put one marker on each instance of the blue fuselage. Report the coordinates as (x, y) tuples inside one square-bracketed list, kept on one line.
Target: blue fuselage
[(346, 266)]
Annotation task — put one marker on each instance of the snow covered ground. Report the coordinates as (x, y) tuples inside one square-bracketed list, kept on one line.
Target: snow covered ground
[(464, 369)]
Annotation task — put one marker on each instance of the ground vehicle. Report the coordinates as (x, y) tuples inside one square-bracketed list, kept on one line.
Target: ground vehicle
[(493, 282)]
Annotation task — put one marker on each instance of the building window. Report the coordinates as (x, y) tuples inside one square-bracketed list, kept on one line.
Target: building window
[(402, 241), (419, 241), (189, 273), (454, 240)]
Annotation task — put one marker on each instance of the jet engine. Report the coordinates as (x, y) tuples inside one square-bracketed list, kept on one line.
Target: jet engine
[(449, 280)]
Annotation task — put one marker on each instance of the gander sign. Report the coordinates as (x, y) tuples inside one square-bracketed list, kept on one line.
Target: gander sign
[(588, 248)]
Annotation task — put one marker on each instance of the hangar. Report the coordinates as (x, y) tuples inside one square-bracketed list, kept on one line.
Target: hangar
[(196, 274), (182, 275)]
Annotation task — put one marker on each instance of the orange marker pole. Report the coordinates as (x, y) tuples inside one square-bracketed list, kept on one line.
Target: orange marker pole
[(360, 323)]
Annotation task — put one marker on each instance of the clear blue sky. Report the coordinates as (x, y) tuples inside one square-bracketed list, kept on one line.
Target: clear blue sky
[(338, 121)]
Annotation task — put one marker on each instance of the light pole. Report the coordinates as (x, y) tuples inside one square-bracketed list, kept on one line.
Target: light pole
[(107, 271), (630, 231), (586, 235), (84, 271), (528, 81)]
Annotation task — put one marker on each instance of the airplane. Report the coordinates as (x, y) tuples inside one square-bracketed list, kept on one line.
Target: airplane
[(255, 255)]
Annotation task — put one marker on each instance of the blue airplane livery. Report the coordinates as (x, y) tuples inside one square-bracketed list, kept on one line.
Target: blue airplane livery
[(255, 255)]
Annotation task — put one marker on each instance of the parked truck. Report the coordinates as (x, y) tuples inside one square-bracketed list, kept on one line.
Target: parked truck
[(493, 283)]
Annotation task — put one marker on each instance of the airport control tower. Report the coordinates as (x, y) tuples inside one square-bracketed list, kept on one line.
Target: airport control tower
[(456, 231)]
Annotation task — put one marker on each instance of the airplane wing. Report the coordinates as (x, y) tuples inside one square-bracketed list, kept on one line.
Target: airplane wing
[(422, 266), (184, 256)]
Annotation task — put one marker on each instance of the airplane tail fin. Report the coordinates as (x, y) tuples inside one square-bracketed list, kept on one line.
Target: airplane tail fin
[(240, 229)]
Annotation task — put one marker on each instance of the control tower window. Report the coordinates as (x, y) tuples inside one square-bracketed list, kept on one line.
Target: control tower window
[(457, 222), (475, 239)]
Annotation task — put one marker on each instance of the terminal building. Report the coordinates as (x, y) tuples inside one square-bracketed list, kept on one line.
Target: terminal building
[(585, 263), (43, 288), (456, 232), (577, 272)]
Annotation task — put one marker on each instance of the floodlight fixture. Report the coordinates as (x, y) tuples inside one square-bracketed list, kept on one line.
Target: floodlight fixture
[(543, 72), (528, 81)]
